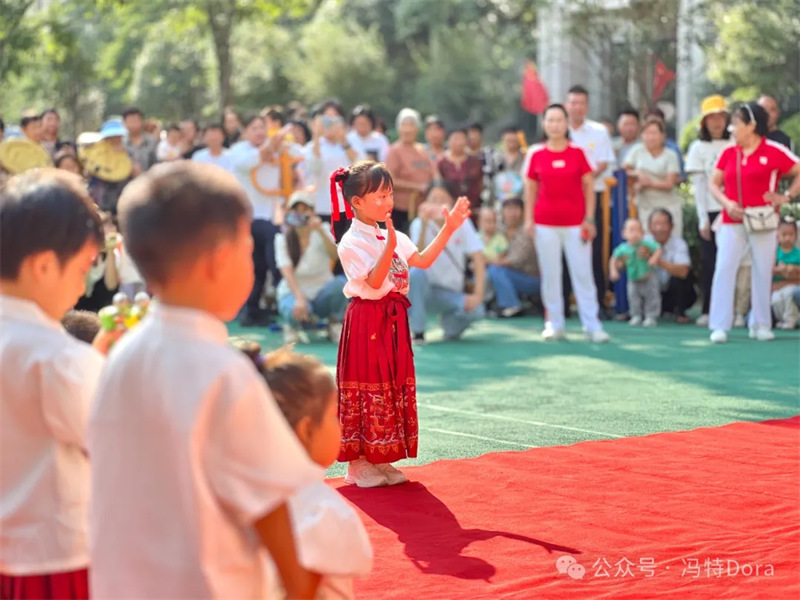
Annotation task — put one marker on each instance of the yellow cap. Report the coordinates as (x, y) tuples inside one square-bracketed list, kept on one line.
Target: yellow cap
[(713, 104)]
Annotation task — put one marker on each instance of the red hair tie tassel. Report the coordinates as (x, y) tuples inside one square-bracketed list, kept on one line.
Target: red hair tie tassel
[(335, 197)]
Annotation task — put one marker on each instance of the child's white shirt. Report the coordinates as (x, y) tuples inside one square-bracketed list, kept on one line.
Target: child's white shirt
[(330, 539), (359, 250), (166, 151), (188, 451), (47, 382)]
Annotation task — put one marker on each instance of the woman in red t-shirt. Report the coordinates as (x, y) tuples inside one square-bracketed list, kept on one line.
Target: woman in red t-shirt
[(746, 176), (559, 199)]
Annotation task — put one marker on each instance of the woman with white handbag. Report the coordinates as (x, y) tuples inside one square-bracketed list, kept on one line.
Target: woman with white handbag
[(744, 184)]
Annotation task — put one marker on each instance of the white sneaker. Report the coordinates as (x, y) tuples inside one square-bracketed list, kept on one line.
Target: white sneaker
[(512, 311), (364, 474), (598, 337), (702, 321), (718, 337), (393, 476), (635, 321), (550, 335), (334, 331), (650, 322), (761, 334), (738, 322), (290, 335)]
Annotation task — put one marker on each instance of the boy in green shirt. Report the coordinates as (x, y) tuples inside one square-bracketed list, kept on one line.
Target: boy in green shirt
[(786, 276), (644, 292)]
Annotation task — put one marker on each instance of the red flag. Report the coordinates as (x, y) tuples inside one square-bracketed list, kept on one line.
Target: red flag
[(661, 77), (534, 97)]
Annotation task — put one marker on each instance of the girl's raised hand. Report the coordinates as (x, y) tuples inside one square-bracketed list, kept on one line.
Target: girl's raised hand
[(457, 215), (391, 234)]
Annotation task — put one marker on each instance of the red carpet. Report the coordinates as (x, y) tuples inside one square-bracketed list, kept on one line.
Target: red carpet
[(646, 517)]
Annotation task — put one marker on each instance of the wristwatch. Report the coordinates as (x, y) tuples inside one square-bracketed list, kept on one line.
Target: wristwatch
[(346, 147)]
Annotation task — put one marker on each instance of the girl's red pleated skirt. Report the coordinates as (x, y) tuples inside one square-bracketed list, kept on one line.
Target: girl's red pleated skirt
[(377, 387), (72, 585)]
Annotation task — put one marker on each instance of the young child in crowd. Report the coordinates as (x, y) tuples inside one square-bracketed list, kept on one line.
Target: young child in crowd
[(83, 325), (192, 462), (330, 538), (495, 244), (644, 291), (375, 368), (50, 233), (170, 147), (786, 276)]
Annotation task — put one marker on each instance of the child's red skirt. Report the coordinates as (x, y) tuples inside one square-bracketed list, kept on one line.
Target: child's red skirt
[(377, 387), (72, 585)]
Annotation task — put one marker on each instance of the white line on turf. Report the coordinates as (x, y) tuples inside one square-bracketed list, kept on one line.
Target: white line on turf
[(515, 420), (477, 437)]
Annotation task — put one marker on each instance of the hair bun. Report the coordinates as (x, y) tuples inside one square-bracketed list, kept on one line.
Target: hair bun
[(340, 174)]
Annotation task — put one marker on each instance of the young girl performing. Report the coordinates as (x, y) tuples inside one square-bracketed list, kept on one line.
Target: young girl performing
[(375, 370)]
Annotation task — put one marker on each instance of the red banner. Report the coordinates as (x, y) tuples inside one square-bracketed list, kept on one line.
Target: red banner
[(661, 77), (534, 97)]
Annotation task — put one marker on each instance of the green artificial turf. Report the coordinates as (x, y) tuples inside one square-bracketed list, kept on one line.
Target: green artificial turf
[(502, 388)]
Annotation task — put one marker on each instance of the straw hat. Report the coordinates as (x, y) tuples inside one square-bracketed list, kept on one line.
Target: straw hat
[(713, 105), (105, 162), (20, 154)]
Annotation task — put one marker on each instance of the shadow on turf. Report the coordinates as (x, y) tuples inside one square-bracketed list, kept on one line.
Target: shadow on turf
[(432, 535)]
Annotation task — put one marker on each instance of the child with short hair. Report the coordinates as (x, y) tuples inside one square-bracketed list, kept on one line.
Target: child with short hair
[(83, 325), (375, 369), (50, 233), (644, 291), (192, 462), (169, 148), (331, 540), (495, 243), (786, 276)]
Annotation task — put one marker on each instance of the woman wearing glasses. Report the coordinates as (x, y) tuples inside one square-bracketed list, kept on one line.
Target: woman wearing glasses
[(747, 176)]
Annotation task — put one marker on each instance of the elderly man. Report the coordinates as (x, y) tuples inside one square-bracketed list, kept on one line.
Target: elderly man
[(674, 269)]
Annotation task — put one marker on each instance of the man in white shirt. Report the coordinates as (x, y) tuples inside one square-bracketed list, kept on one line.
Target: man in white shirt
[(362, 135), (47, 381), (440, 290), (215, 152), (328, 151), (250, 159), (592, 137), (674, 270)]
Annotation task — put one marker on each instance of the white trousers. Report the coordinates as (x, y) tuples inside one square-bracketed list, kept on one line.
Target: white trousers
[(783, 305), (551, 242), (731, 247)]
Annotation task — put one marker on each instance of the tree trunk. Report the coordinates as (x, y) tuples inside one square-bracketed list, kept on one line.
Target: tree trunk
[(220, 20)]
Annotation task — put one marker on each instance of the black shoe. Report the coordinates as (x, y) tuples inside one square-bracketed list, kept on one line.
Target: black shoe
[(418, 339)]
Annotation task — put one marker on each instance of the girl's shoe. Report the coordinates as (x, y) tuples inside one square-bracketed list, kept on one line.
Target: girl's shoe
[(393, 476), (364, 474)]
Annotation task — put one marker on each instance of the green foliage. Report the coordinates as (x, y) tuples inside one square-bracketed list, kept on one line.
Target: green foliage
[(757, 47), (172, 77), (691, 132), (325, 65), (791, 127)]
